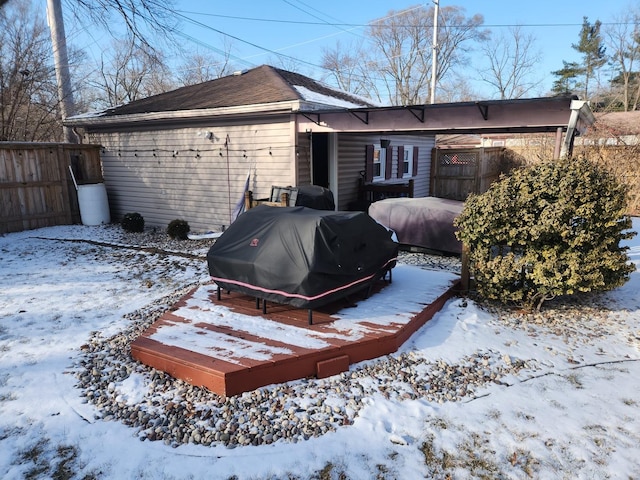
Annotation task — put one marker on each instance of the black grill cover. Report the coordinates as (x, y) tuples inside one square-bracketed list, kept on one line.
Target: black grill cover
[(300, 256), (315, 196)]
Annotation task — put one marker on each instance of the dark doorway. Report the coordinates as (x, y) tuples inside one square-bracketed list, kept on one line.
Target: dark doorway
[(320, 152)]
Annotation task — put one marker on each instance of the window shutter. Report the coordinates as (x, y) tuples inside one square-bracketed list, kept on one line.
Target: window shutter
[(368, 164), (415, 161), (400, 161), (388, 163)]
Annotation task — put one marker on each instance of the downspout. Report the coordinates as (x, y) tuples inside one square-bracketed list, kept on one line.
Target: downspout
[(296, 145), (334, 167), (581, 117), (567, 147), (310, 138)]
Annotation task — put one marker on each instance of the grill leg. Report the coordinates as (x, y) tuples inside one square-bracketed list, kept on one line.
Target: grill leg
[(219, 293), (264, 307), (310, 316), (257, 303), (369, 290)]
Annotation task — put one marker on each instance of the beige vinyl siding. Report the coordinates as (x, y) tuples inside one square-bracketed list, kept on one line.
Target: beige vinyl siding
[(174, 173), (351, 162), (304, 159), (425, 145)]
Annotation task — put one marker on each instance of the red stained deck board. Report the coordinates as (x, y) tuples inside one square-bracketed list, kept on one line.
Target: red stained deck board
[(235, 375), (333, 366), (247, 336)]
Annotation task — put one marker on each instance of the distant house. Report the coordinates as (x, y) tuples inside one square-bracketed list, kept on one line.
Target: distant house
[(188, 153), (614, 129)]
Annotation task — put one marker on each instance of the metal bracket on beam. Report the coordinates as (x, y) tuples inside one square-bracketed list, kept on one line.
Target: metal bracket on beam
[(484, 110), (308, 116), (364, 119), (418, 113)]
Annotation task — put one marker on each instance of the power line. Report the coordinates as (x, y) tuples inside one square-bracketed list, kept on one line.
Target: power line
[(215, 49), (278, 52), (274, 52), (356, 25), (259, 47), (340, 28), (308, 13)]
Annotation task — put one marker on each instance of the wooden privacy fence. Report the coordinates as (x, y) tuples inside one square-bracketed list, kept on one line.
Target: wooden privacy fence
[(455, 173), (36, 188)]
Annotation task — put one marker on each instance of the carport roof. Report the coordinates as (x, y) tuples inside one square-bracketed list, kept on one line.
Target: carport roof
[(547, 114)]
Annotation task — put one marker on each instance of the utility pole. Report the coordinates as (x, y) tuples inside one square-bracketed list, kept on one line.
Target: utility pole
[(434, 57), (61, 61)]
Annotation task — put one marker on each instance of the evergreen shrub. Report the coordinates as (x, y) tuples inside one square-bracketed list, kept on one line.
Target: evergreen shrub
[(132, 222), (547, 230), (178, 229)]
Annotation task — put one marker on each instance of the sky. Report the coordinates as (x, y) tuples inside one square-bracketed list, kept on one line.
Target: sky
[(258, 30), (74, 296)]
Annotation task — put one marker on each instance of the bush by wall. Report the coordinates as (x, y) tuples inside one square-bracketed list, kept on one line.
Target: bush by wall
[(178, 229), (547, 230), (132, 222)]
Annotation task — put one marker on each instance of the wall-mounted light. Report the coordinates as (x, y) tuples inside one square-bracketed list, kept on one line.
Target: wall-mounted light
[(207, 134), (384, 143)]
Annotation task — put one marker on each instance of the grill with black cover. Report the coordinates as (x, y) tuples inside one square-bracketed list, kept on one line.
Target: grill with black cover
[(300, 256)]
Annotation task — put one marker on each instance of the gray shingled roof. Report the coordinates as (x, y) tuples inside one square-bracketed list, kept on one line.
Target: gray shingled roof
[(264, 84)]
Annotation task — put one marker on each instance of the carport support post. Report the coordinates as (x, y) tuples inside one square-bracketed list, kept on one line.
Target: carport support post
[(556, 151), (464, 272)]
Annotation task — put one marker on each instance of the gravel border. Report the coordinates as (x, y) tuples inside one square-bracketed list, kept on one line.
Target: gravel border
[(177, 413)]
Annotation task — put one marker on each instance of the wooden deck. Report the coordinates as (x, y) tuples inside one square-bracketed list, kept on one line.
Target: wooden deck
[(230, 346)]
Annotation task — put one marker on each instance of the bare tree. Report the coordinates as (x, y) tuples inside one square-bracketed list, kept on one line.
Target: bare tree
[(457, 36), (202, 67), (28, 95), (457, 88), (512, 63), (286, 62), (130, 74), (402, 46), (623, 41), (349, 70), (401, 42), (144, 20)]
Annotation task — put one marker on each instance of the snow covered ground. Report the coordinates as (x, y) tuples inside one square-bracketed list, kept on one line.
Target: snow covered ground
[(572, 412)]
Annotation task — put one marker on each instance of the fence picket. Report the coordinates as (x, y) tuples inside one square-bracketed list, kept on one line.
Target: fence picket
[(36, 189)]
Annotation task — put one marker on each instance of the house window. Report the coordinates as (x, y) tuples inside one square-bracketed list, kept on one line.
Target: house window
[(379, 160), (407, 161)]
